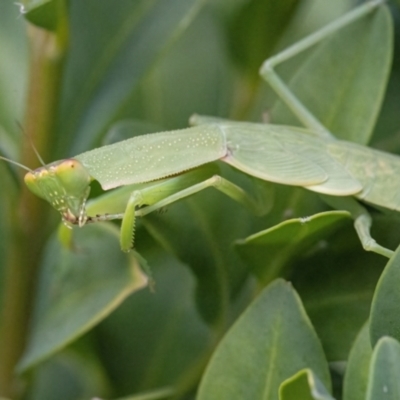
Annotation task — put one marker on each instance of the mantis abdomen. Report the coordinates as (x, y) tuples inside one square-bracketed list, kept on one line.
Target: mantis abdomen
[(298, 157), (375, 170)]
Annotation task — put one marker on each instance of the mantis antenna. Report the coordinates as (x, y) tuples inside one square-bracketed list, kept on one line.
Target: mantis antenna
[(16, 163), (35, 150)]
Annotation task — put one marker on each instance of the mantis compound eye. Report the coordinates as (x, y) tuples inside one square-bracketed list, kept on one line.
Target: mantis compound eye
[(64, 184), (72, 176), (32, 180)]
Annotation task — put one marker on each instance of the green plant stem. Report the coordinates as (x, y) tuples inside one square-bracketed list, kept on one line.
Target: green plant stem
[(28, 218)]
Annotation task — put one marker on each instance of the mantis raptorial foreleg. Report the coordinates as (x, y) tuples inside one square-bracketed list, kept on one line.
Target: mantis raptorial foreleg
[(145, 200), (216, 181), (139, 197)]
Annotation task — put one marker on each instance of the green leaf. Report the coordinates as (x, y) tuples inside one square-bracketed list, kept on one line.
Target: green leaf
[(157, 394), (197, 63), (385, 320), (337, 283), (268, 252), (305, 386), (126, 129), (256, 29), (44, 13), (158, 338), (77, 370), (109, 56), (78, 289), (384, 382), (357, 60), (200, 231), (13, 77), (356, 377), (272, 340)]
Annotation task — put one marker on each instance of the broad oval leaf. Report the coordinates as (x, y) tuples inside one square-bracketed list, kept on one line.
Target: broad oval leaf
[(268, 252), (156, 339), (79, 288), (77, 370), (272, 340), (356, 376), (384, 382), (157, 394), (385, 320), (304, 385)]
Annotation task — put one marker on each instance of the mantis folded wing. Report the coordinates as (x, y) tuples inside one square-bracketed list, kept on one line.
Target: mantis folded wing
[(169, 166)]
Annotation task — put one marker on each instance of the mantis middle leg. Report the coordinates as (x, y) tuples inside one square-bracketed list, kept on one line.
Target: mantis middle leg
[(362, 222)]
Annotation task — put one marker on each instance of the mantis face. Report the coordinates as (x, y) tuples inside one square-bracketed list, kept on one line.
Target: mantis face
[(65, 185)]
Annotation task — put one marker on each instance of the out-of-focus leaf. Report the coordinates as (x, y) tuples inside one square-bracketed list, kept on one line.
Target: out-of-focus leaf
[(255, 30), (158, 394), (13, 81), (44, 13), (272, 340), (75, 373), (384, 382), (356, 377), (336, 282), (110, 55), (78, 289), (197, 63), (304, 385), (7, 212), (13, 76), (357, 61), (126, 129), (157, 338), (266, 253), (385, 320), (200, 231)]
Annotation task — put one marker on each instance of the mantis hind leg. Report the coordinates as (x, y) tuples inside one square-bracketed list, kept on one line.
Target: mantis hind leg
[(286, 95), (362, 222)]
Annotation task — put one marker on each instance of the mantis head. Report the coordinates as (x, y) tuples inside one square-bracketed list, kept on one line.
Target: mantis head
[(65, 185)]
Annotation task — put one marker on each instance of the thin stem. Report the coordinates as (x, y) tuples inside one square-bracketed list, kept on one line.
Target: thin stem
[(28, 235)]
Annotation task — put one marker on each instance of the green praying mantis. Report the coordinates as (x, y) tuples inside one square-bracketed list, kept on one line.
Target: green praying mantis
[(158, 169)]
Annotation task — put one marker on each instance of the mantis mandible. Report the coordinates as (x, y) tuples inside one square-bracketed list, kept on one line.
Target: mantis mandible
[(158, 169)]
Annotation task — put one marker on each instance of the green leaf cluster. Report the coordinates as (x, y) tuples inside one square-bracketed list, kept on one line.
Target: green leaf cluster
[(288, 306)]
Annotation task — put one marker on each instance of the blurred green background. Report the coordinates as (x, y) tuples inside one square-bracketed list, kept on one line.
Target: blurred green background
[(75, 73)]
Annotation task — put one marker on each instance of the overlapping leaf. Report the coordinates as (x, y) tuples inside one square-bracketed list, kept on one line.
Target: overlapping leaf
[(79, 288), (271, 341)]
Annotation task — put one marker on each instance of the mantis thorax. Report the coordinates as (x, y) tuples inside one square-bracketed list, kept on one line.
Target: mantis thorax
[(65, 185)]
